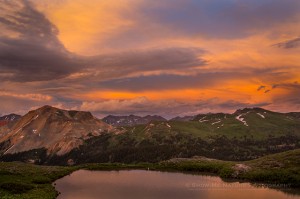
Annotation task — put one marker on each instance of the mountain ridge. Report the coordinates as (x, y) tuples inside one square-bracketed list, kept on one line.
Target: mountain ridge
[(243, 135)]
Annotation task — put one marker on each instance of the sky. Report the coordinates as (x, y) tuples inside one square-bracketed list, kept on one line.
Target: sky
[(166, 57)]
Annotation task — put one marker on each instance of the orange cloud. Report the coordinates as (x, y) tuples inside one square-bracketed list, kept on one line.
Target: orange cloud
[(244, 92), (82, 23)]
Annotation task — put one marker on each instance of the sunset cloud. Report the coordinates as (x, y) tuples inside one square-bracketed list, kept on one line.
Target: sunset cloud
[(166, 57)]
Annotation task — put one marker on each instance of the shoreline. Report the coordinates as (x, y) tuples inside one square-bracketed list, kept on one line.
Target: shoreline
[(23, 180)]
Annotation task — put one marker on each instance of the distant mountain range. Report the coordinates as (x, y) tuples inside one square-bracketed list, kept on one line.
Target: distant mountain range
[(131, 120), (53, 136), (9, 119), (184, 118)]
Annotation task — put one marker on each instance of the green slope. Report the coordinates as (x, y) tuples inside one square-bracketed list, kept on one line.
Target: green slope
[(260, 124), (282, 168)]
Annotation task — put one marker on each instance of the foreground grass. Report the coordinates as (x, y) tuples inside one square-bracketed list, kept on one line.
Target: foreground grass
[(20, 180)]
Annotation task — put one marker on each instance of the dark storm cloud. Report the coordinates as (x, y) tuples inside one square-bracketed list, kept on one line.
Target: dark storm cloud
[(148, 60), (293, 43), (36, 54), (29, 61)]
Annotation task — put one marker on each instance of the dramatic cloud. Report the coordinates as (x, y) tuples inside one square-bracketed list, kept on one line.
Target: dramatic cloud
[(36, 53), (136, 62), (168, 57)]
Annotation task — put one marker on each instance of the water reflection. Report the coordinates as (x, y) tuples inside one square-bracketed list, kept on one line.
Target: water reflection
[(137, 184)]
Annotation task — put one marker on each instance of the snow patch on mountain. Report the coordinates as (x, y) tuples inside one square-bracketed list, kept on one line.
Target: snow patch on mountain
[(203, 120), (216, 122), (261, 115), (239, 117)]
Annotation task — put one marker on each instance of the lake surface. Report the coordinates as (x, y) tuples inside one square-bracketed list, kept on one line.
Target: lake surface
[(138, 184)]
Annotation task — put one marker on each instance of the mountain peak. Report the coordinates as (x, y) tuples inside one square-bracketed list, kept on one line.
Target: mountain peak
[(57, 130), (47, 107)]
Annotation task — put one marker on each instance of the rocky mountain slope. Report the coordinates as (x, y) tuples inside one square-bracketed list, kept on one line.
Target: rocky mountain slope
[(131, 120), (58, 131)]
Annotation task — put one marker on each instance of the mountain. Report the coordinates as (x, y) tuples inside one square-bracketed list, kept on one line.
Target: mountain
[(131, 120), (248, 123), (243, 135), (58, 131), (9, 119)]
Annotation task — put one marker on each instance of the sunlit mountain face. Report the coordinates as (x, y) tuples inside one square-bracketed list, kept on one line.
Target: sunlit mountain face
[(167, 57)]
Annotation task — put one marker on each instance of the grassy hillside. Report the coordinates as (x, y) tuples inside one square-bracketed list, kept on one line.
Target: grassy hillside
[(281, 168), (22, 181), (257, 124)]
